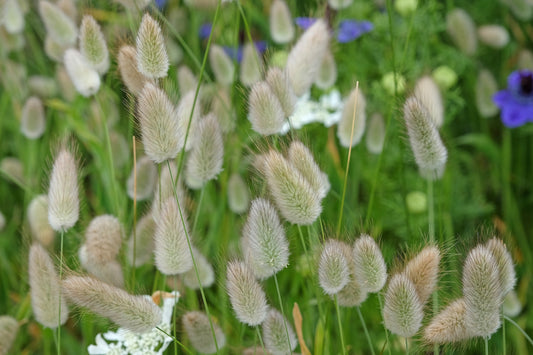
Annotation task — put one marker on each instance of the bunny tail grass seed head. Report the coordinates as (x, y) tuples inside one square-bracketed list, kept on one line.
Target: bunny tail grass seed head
[(145, 175), (482, 292), (205, 160), (375, 136), (296, 200), (423, 271), (278, 81), (63, 200), (38, 220), (205, 272), (12, 17), (171, 250), (486, 87), (152, 59), (327, 74), (449, 325), (344, 128), (246, 295), (302, 159), (45, 289), (306, 57), (160, 130), (494, 36), (511, 305), (265, 111), (54, 50), (275, 329), (369, 264), (222, 65), (165, 189), (267, 248), (144, 242), (103, 239), (42, 86), (462, 30), (402, 312), (32, 121), (127, 65), (428, 149), (58, 25), (187, 81), (505, 265), (353, 294), (93, 45), (281, 23), (428, 94), (198, 329), (135, 313), (188, 109), (251, 65), (238, 194), (109, 272), (85, 79), (8, 333), (333, 270)]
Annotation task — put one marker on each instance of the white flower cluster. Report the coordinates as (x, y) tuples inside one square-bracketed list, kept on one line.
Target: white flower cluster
[(125, 342)]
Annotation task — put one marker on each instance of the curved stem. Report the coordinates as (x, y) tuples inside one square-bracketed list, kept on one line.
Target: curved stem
[(528, 338), (366, 330)]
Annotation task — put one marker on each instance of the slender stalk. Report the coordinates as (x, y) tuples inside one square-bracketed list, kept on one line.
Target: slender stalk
[(366, 330), (260, 339), (504, 344), (407, 346), (283, 313), (528, 338), (134, 212), (431, 223), (385, 328), (59, 300), (486, 339), (175, 340), (310, 265), (340, 324), (198, 209)]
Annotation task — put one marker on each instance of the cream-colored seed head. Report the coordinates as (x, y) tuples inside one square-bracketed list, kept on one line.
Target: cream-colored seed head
[(127, 65), (278, 81), (375, 136), (32, 121), (12, 17), (505, 265), (486, 87), (281, 23), (462, 30), (58, 25), (428, 94), (423, 271), (275, 331), (38, 220), (63, 200), (238, 194), (103, 239), (302, 159), (356, 101), (449, 325), (85, 79), (8, 333), (265, 111), (222, 65), (93, 45), (494, 36), (152, 59), (198, 329), (327, 74), (370, 266), (251, 65), (205, 272), (333, 267)]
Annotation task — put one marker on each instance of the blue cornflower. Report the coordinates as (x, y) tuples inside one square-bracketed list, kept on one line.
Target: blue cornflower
[(516, 102), (160, 3), (205, 30), (348, 30)]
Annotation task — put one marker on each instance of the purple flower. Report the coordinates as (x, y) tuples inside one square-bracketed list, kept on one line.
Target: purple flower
[(160, 3), (516, 102), (236, 53), (205, 30), (349, 30), (304, 22)]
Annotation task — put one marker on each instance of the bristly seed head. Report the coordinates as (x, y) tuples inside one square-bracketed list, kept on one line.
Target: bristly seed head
[(93, 45), (281, 23), (505, 264), (222, 65), (152, 59), (302, 159), (278, 81), (8, 333), (275, 329), (265, 111), (85, 79), (356, 101), (198, 329), (127, 65), (333, 270), (423, 271), (32, 121), (58, 25), (449, 325), (369, 264)]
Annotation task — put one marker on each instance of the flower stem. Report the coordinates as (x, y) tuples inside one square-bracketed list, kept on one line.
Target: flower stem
[(59, 300), (486, 339), (340, 324), (198, 209), (504, 345), (431, 223), (175, 340), (283, 313), (385, 328), (366, 330), (407, 346), (260, 339), (528, 338)]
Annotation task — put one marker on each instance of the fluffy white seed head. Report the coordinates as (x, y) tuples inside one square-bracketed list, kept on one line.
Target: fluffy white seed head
[(462, 30), (353, 294), (32, 121), (13, 169), (251, 65), (296, 200), (339, 4), (145, 175), (93, 45), (505, 264), (187, 81), (198, 329), (103, 239), (275, 329), (281, 25), (428, 94), (266, 249), (449, 325), (495, 36), (38, 220), (85, 79), (482, 292), (69, 8), (144, 241), (160, 130), (486, 87), (172, 255), (344, 128), (152, 59), (511, 305), (109, 272), (12, 17), (127, 65), (428, 149), (402, 312), (238, 194), (265, 113), (224, 109), (246, 295), (54, 50), (165, 189), (135, 313), (205, 272), (423, 271), (305, 58), (184, 110), (370, 266), (333, 269), (327, 74), (222, 65), (375, 134), (8, 333), (302, 159), (63, 200), (134, 5), (45, 289), (58, 25), (205, 160), (278, 81)]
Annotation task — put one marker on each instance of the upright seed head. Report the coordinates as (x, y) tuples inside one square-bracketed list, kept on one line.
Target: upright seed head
[(45, 289), (462, 30), (32, 121), (505, 265), (144, 248), (221, 64), (333, 269), (184, 113), (305, 58), (327, 74), (103, 239), (403, 311), (93, 45), (12, 167), (494, 36), (134, 313), (486, 87), (266, 249), (207, 155), (58, 25), (12, 17), (281, 25), (265, 113), (423, 271), (302, 159), (449, 325), (344, 129), (54, 50), (69, 8), (109, 272), (297, 201), (205, 272), (198, 329), (278, 81), (145, 174), (8, 333), (127, 65), (353, 294), (85, 79), (375, 136), (251, 65), (275, 329), (172, 255), (187, 81), (152, 60), (238, 194), (428, 149), (38, 220), (246, 295), (63, 201), (482, 291), (428, 94), (165, 189), (370, 266)]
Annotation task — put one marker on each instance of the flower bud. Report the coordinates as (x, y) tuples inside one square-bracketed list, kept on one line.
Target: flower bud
[(93, 45), (444, 76), (462, 30), (152, 60), (63, 200), (281, 25), (83, 76), (32, 122)]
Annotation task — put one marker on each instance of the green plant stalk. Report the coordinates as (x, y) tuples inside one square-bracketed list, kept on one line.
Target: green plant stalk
[(431, 223), (366, 330), (528, 338), (134, 215), (198, 209), (283, 313), (59, 300), (385, 328), (504, 345), (176, 341), (340, 324), (486, 340), (260, 339), (407, 346)]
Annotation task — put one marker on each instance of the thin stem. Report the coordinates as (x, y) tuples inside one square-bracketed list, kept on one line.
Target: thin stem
[(198, 209), (486, 339), (528, 338), (60, 276), (386, 330), (431, 223), (134, 212), (175, 340), (283, 313), (260, 339), (340, 324), (407, 346), (366, 330)]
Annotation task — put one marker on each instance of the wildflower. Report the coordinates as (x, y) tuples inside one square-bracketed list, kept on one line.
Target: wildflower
[(347, 31), (281, 26), (516, 102), (198, 329)]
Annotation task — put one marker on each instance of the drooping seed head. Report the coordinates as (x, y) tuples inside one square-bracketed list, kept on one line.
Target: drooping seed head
[(302, 159), (266, 248), (327, 73), (275, 329), (238, 194), (144, 241), (486, 87), (63, 200), (45, 286), (187, 81), (305, 58), (505, 264), (188, 110), (375, 134), (152, 59), (109, 272), (127, 65), (32, 121), (356, 101), (246, 295), (198, 329), (251, 65), (58, 25), (494, 36), (12, 17), (85, 79), (135, 313), (205, 272), (403, 311), (103, 239), (428, 94), (449, 325), (482, 292), (370, 266), (462, 30), (38, 220), (222, 65), (93, 45), (428, 149), (278, 81), (281, 23), (8, 333), (333, 269), (145, 177), (265, 111), (423, 271)]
